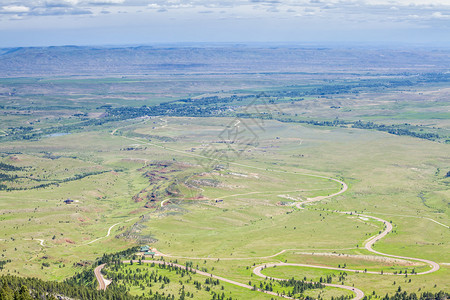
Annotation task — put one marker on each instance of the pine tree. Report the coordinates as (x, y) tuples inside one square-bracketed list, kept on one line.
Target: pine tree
[(6, 293)]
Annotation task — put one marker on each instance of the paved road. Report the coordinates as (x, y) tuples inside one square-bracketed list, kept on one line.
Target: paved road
[(358, 293), (102, 283), (257, 271), (369, 244), (160, 262), (372, 240), (247, 258)]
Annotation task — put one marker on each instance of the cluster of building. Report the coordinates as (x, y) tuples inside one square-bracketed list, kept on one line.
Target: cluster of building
[(147, 250)]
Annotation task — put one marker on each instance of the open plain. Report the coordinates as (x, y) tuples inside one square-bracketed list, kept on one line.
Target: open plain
[(338, 176)]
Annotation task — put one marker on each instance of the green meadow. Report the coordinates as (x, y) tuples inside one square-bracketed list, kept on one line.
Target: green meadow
[(233, 212), (220, 191)]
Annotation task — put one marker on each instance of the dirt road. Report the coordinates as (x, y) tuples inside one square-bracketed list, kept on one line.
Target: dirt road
[(319, 198), (109, 232)]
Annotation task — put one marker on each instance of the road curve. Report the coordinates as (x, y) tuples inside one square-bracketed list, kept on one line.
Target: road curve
[(164, 201), (41, 241), (161, 262), (102, 283), (257, 271), (372, 240), (108, 233), (248, 258), (368, 245), (319, 198)]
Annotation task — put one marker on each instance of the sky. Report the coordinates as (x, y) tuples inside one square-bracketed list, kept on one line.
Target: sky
[(137, 22)]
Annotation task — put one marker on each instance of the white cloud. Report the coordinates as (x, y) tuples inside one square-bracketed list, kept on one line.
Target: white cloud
[(105, 2), (60, 3), (348, 11), (15, 9), (439, 15), (405, 2), (15, 18)]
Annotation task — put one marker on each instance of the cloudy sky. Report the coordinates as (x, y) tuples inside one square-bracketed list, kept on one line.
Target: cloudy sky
[(127, 22)]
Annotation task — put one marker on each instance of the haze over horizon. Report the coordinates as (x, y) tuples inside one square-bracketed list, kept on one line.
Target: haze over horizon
[(131, 22)]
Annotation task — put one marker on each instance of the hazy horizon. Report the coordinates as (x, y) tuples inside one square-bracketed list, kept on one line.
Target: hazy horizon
[(243, 44), (137, 22)]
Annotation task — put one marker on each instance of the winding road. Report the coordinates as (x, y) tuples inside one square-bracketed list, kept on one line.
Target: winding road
[(368, 245), (372, 240), (258, 269), (164, 201), (102, 282), (109, 232), (319, 198), (161, 262), (41, 241)]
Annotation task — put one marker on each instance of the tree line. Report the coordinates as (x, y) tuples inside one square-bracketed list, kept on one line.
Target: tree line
[(211, 106), (6, 177)]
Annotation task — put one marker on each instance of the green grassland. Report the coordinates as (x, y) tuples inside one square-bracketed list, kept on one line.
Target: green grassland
[(366, 281), (425, 106), (179, 184), (177, 281), (249, 223)]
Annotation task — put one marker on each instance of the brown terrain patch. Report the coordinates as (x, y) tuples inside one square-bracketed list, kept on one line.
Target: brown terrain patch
[(64, 240), (197, 198), (136, 211)]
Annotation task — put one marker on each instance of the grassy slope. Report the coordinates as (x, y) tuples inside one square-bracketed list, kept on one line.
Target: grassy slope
[(385, 174)]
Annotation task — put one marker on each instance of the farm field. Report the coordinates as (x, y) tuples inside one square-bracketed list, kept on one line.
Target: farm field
[(227, 182)]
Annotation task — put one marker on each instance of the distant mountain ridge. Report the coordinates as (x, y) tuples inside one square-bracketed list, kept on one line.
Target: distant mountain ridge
[(148, 60)]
